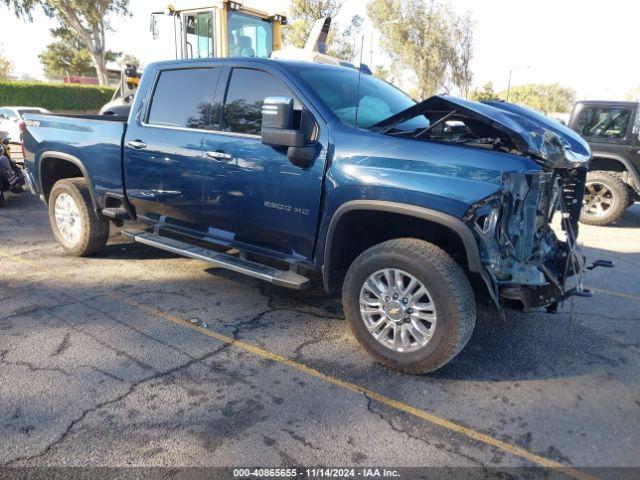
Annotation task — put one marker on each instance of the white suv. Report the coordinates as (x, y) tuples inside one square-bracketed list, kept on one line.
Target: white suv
[(11, 118)]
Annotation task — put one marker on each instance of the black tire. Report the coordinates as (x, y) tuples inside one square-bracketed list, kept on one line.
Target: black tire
[(606, 186), (449, 290), (94, 229)]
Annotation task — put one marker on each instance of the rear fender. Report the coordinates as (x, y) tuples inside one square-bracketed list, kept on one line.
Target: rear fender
[(49, 156)]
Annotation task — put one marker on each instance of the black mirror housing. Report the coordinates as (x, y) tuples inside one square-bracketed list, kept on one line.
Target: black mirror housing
[(277, 112), (277, 123)]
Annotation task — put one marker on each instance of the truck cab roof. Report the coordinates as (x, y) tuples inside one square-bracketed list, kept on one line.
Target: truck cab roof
[(608, 103), (284, 63)]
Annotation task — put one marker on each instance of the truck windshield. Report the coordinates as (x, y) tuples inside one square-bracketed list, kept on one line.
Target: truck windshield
[(379, 100), (249, 36)]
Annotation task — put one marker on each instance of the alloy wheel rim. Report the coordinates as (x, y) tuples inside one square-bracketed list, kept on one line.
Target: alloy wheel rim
[(598, 199), (68, 218), (397, 310)]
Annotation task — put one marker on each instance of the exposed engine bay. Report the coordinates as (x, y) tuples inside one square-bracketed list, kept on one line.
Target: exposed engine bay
[(527, 263)]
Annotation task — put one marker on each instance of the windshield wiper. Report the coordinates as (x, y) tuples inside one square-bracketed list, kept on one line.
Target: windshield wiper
[(406, 114), (437, 122)]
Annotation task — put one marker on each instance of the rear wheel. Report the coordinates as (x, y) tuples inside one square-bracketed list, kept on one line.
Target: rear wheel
[(409, 304), (606, 198), (74, 221)]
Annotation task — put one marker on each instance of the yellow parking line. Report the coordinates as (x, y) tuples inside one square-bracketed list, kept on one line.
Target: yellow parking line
[(383, 399), (613, 293), (390, 402)]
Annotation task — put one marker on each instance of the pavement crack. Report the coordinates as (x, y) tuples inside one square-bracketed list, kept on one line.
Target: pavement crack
[(130, 390), (138, 331), (29, 365), (64, 345), (32, 309), (439, 446), (300, 439), (105, 373), (297, 353)]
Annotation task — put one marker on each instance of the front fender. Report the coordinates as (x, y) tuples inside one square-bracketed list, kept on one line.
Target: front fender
[(448, 221)]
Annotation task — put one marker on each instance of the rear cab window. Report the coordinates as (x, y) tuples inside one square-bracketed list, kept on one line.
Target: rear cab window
[(184, 98)]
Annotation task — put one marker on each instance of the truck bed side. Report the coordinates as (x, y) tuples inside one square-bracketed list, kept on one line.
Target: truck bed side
[(90, 142)]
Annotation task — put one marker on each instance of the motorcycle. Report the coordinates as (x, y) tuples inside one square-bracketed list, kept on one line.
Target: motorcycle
[(11, 176)]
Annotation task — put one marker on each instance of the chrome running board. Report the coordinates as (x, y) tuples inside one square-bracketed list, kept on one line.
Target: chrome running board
[(282, 278)]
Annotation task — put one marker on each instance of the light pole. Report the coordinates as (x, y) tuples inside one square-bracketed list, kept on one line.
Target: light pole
[(521, 67)]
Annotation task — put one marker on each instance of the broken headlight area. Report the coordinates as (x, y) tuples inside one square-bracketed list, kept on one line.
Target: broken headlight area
[(527, 262)]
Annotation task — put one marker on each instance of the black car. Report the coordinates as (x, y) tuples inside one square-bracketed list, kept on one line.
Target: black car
[(613, 182)]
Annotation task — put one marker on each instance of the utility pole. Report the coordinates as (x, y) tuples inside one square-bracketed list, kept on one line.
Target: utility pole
[(521, 67)]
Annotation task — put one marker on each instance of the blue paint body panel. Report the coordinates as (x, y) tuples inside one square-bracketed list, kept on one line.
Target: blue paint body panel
[(96, 144), (259, 201)]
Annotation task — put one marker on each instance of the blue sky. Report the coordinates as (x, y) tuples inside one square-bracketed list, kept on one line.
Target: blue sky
[(589, 45)]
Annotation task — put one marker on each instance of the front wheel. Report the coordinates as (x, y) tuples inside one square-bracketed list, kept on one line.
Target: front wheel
[(75, 223), (606, 198), (409, 304)]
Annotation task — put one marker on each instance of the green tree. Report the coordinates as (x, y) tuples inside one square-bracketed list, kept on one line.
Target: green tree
[(381, 72), (6, 67), (546, 98), (128, 59), (461, 73), (420, 35), (484, 94), (88, 19), (67, 55), (341, 43)]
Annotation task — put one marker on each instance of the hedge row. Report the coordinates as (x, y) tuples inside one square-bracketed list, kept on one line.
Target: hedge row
[(54, 96)]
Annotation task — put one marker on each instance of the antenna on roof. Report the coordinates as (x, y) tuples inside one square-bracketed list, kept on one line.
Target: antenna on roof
[(359, 80)]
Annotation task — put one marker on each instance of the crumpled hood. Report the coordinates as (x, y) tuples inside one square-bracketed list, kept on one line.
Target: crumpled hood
[(535, 135)]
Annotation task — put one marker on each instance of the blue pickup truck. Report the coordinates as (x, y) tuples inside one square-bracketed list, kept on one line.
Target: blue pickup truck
[(282, 169)]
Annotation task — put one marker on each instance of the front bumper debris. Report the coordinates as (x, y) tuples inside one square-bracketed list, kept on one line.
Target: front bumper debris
[(527, 263)]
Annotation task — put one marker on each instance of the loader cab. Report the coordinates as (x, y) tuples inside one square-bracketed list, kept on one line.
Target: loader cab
[(207, 29)]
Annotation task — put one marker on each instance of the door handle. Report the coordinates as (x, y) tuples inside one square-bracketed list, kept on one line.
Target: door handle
[(219, 156), (137, 144)]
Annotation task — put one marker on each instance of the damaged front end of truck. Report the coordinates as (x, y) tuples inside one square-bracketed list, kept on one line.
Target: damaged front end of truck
[(527, 262)]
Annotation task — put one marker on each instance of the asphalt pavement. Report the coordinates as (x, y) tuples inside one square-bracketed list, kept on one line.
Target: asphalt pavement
[(137, 357)]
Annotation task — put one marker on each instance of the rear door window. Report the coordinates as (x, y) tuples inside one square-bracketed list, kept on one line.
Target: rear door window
[(184, 99), (245, 95), (604, 123)]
